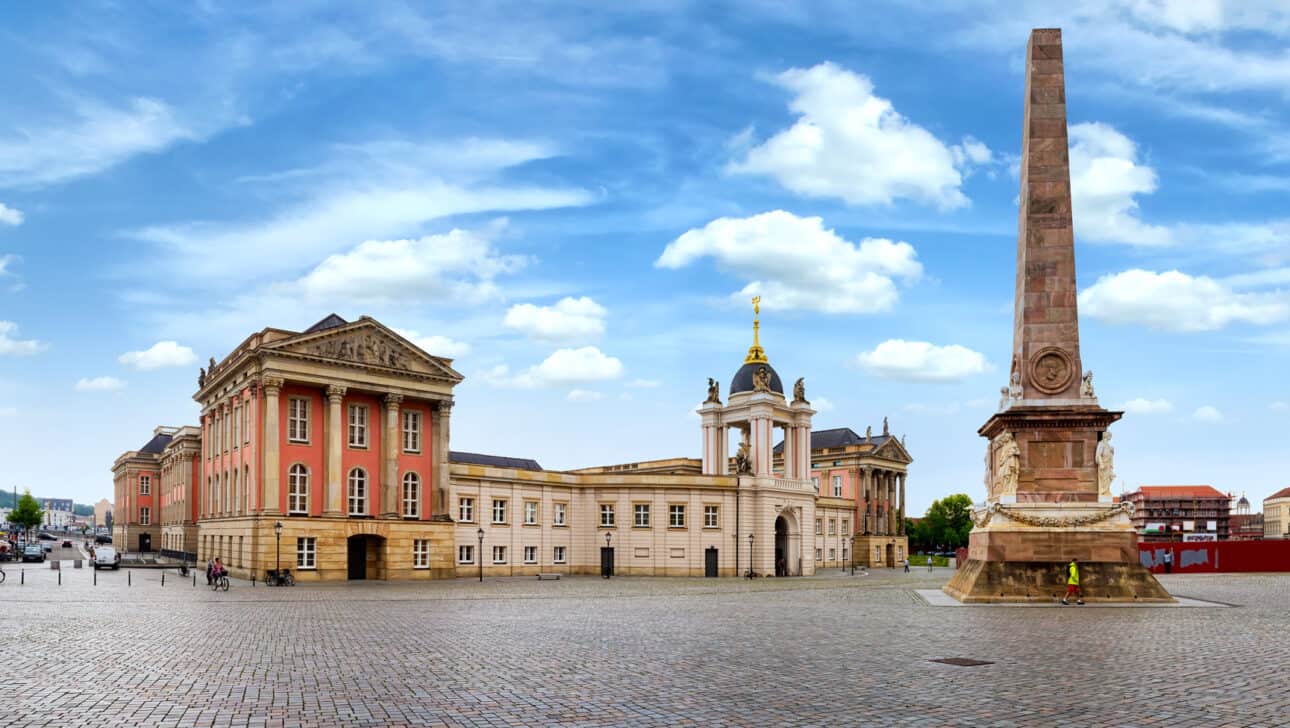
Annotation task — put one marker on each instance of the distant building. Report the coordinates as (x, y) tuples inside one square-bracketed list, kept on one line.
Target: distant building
[(1245, 526), (58, 512), (1276, 514), (102, 510), (1181, 513)]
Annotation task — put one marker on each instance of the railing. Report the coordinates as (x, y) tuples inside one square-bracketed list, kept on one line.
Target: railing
[(186, 556)]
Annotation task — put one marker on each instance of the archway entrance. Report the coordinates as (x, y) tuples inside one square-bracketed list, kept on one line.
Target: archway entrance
[(781, 547), (891, 556), (364, 557)]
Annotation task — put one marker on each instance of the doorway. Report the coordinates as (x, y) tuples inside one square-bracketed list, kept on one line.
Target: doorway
[(606, 561), (145, 542), (364, 557), (710, 562), (781, 547)]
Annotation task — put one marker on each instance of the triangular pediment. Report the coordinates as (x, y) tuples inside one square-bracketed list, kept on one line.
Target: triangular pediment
[(367, 343), (892, 449)]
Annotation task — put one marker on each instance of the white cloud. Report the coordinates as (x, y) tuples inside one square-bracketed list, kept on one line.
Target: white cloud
[(564, 367), (822, 404), (16, 283), (569, 320), (10, 216), (1279, 406), (795, 263), (161, 354), (851, 144), (1176, 301), (436, 345), (921, 361), (8, 411), (1143, 406), (100, 384), (17, 347), (583, 395), (1105, 177), (1207, 414)]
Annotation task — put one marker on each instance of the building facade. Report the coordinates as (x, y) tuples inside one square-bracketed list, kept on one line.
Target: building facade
[(136, 478), (102, 513), (181, 471), (1276, 514), (1181, 513)]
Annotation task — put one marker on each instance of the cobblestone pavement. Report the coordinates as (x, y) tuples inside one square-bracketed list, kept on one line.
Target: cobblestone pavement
[(825, 651)]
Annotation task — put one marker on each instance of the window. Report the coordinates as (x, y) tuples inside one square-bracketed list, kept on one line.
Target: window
[(466, 509), (411, 494), (465, 554), (833, 527), (297, 419), (815, 483), (833, 554), (246, 424), (358, 425), (819, 528), (558, 519), (640, 515), (145, 516), (606, 515), (237, 426), (306, 553), (837, 486), (710, 516), (499, 511), (530, 554), (420, 553), (877, 553), (357, 492), (558, 555), (411, 431), (530, 513), (298, 489), (846, 526), (145, 484), (819, 554), (499, 554), (676, 516)]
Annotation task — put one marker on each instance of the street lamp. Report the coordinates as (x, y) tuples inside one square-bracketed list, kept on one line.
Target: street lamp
[(853, 554), (604, 567), (277, 561), (480, 556), (750, 556)]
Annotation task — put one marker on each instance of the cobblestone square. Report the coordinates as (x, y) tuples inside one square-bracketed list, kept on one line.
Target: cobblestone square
[(824, 651)]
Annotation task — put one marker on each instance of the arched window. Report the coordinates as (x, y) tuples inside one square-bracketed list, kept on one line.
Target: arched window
[(298, 490), (411, 494), (357, 492)]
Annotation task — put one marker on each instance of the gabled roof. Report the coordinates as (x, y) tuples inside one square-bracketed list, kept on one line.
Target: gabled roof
[(495, 461), (838, 437), (1283, 493), (158, 443), (330, 322), (1182, 491)]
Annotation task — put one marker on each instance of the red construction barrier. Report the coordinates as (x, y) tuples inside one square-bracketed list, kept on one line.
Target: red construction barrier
[(1208, 557)]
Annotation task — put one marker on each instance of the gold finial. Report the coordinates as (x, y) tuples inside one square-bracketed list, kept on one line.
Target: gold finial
[(756, 354)]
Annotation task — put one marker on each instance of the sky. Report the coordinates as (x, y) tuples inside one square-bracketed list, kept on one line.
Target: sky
[(576, 201)]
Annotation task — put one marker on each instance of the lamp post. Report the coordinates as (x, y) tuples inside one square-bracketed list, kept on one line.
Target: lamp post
[(480, 556), (751, 573), (853, 554), (277, 560), (604, 568)]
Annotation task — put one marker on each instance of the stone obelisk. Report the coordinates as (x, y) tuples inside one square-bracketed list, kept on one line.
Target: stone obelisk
[(1049, 461)]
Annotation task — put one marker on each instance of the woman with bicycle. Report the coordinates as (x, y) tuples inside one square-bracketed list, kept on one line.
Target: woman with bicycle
[(219, 575)]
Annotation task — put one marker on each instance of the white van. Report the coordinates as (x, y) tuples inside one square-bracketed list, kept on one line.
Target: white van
[(106, 557)]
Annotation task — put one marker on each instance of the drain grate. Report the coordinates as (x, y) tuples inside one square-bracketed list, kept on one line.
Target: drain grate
[(961, 662)]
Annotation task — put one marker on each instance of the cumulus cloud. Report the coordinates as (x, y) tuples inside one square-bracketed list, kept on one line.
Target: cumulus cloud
[(1176, 301), (851, 144), (436, 345), (822, 404), (921, 361), (160, 354), (796, 263), (17, 347), (100, 384), (1207, 414), (564, 367), (1105, 179), (1143, 406), (10, 216), (583, 395), (569, 320)]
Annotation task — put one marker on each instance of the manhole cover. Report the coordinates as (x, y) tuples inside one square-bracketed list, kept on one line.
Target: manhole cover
[(961, 662)]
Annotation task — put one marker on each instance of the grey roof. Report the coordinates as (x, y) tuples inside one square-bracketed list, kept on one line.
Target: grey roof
[(330, 322), (157, 444), (496, 461), (743, 379), (838, 437)]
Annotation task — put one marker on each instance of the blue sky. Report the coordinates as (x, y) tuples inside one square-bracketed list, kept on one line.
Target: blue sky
[(575, 204)]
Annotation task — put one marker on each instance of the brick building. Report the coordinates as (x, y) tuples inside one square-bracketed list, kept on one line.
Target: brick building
[(1181, 512)]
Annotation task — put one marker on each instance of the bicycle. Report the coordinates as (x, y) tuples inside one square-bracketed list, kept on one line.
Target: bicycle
[(219, 582), (1, 576)]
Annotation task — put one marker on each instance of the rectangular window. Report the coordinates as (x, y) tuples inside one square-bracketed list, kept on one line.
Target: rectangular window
[(606, 515), (846, 526), (246, 424), (466, 510), (530, 554), (559, 517), (465, 554), (837, 486), (358, 425), (237, 426), (530, 513), (833, 527), (640, 515), (411, 431), (421, 553), (819, 529), (499, 554), (558, 555), (145, 516), (145, 484), (297, 419), (676, 516), (710, 514), (499, 511), (833, 554), (819, 554), (306, 553)]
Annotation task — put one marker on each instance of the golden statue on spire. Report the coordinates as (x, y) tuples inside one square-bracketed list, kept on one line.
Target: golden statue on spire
[(756, 354)]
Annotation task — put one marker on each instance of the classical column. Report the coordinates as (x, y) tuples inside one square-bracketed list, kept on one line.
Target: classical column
[(333, 497), (891, 504), (391, 503), (723, 450), (442, 483), (900, 513), (254, 503), (272, 388)]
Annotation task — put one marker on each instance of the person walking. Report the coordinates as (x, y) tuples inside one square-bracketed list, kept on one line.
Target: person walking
[(210, 567), (929, 563), (906, 564), (1072, 583), (1169, 561)]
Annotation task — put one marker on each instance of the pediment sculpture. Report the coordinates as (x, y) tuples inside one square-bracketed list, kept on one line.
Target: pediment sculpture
[(364, 348)]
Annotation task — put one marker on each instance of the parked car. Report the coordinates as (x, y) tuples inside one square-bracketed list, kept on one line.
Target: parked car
[(106, 557), (46, 536), (67, 543), (102, 539), (33, 552)]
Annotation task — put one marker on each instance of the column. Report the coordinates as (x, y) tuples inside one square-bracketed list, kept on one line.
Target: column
[(723, 450), (790, 452), (442, 483), (333, 496), (272, 388), (391, 503), (901, 512), (761, 449), (891, 504)]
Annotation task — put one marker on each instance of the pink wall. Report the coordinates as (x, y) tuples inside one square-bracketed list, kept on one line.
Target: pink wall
[(423, 464), (312, 454), (368, 458)]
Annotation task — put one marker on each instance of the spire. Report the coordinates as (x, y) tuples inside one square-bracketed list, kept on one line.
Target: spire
[(756, 354)]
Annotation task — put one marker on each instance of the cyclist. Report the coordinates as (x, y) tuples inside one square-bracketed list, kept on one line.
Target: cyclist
[(217, 569)]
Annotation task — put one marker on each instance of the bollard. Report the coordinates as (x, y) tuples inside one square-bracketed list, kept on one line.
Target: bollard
[(252, 581), (163, 578), (194, 579), (127, 578), (96, 577), (22, 577), (60, 577)]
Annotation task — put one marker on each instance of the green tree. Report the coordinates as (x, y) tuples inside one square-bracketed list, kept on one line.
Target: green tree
[(947, 522), (28, 514)]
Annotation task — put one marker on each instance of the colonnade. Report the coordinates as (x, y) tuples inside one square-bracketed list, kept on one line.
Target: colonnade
[(883, 504)]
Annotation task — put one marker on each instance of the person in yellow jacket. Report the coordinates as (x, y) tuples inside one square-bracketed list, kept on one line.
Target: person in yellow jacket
[(1072, 583)]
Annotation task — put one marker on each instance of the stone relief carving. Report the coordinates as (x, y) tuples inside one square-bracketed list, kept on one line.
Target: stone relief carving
[(1105, 459), (714, 391), (1014, 386), (1007, 461), (1086, 388), (799, 390), (364, 348), (1051, 370), (761, 380)]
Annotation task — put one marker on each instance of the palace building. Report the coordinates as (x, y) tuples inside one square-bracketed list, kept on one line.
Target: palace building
[(327, 452)]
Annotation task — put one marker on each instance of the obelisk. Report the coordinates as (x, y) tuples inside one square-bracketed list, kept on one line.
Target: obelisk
[(1046, 503)]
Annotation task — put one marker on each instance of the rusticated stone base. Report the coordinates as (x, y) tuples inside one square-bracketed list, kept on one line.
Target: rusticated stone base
[(987, 582)]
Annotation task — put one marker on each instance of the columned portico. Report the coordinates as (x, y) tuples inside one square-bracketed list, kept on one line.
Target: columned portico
[(333, 497), (390, 459), (272, 388)]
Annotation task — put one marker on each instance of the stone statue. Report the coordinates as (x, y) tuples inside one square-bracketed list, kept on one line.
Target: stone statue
[(714, 391), (1014, 386), (885, 431), (1003, 397), (1007, 464), (761, 380), (1086, 389), (743, 461), (201, 377), (1105, 459), (211, 368), (868, 433), (799, 390)]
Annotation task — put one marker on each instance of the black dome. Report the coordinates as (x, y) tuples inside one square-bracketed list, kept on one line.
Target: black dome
[(743, 381)]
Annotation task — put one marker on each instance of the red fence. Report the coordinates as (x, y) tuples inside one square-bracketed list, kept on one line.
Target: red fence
[(1207, 557)]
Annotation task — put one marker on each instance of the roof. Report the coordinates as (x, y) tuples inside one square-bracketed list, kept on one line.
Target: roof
[(496, 461), (158, 443), (1283, 493), (838, 437), (1182, 491), (330, 322), (743, 380)]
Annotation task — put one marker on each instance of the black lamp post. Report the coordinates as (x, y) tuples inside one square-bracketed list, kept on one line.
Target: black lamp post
[(480, 556), (277, 561), (605, 569), (853, 554), (750, 556)]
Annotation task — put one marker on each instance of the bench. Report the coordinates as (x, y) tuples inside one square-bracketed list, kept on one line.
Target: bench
[(544, 577)]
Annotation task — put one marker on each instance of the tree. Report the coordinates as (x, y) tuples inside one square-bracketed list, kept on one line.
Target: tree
[(947, 522), (28, 514)]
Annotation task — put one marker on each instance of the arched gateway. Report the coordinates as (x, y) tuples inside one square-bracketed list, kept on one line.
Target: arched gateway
[(366, 557), (788, 542)]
